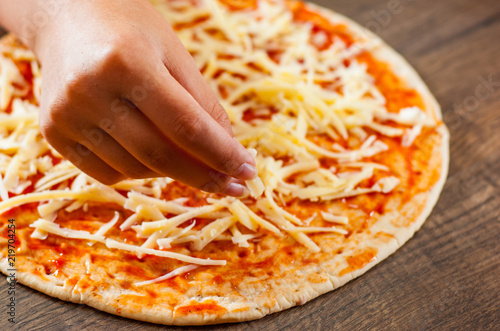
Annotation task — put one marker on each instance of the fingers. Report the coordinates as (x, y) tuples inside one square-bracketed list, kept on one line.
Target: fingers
[(85, 160), (182, 67), (144, 142), (134, 149), (117, 157), (133, 145), (185, 133), (180, 118)]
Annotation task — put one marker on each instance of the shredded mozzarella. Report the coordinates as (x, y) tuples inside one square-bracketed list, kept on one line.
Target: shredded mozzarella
[(302, 98), (172, 274)]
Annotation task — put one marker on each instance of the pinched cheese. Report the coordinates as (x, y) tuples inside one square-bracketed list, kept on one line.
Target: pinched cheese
[(304, 101), (255, 185)]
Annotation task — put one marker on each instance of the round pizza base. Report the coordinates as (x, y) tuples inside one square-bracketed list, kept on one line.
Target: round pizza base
[(291, 285)]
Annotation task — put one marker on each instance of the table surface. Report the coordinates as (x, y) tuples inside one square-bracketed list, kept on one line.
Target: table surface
[(447, 276)]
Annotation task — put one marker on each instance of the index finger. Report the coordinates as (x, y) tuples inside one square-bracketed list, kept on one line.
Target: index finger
[(184, 70), (179, 117)]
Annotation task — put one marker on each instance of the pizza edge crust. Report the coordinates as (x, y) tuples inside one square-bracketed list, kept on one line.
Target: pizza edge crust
[(309, 290)]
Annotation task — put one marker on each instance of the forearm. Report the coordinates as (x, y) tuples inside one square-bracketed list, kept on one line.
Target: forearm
[(26, 17)]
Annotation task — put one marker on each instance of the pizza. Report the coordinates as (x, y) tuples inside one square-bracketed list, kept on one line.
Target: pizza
[(350, 146)]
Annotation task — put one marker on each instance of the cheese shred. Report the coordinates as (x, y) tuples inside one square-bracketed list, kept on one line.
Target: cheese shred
[(290, 102)]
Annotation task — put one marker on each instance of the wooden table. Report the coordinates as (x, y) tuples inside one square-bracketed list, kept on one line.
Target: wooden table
[(448, 275)]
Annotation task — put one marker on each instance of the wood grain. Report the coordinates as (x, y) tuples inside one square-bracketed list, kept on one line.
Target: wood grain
[(447, 276)]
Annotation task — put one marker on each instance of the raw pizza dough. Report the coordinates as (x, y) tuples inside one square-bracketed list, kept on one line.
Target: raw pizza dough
[(272, 274)]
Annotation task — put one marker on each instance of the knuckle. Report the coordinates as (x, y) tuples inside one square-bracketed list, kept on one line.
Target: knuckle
[(121, 52), (220, 115), (46, 127), (73, 80), (227, 163), (111, 57), (159, 158), (75, 85), (188, 128), (106, 125), (48, 123), (108, 63)]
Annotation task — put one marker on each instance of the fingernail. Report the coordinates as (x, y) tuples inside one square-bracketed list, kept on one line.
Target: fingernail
[(235, 190), (246, 172)]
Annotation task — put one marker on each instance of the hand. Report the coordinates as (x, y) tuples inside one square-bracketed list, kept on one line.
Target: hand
[(121, 97)]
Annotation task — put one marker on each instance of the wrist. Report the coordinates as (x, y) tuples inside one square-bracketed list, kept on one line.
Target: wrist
[(44, 27), (29, 19)]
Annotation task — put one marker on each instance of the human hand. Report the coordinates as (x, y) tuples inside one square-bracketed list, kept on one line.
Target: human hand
[(121, 97)]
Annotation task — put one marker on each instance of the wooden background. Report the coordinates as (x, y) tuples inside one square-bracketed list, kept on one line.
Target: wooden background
[(448, 275)]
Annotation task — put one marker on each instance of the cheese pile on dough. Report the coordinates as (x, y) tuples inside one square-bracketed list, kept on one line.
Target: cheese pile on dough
[(288, 107)]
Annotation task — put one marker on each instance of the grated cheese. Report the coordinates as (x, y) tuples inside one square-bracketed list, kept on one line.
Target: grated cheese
[(291, 105), (172, 274)]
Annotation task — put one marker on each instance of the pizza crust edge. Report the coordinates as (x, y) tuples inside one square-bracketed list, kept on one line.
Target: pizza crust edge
[(309, 290)]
